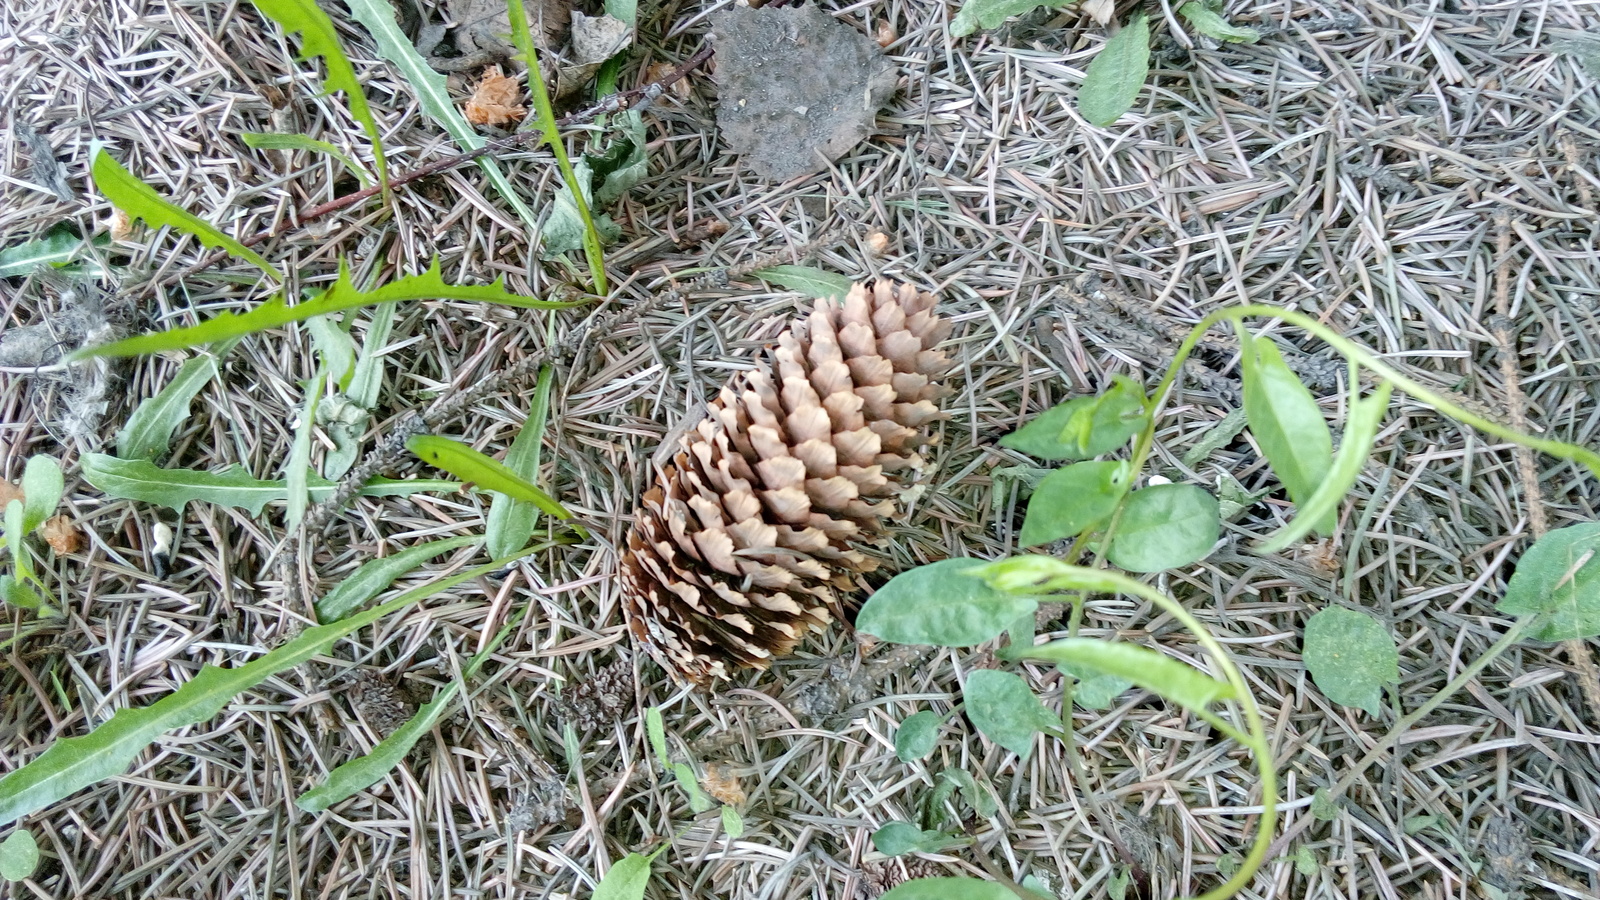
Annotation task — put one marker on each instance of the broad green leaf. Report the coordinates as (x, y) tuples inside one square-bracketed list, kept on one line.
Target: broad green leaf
[(623, 164), (1004, 708), (980, 799), (57, 248), (266, 140), (139, 479), (378, 17), (684, 775), (1116, 73), (1287, 423), (1559, 576), (42, 486), (343, 295), (948, 889), (1351, 656), (940, 604), (140, 201), (16, 592), (148, 432), (564, 231), (318, 38), (360, 773), (1178, 682), (469, 465), (1072, 500), (510, 522), (625, 880), (975, 14), (1083, 427), (917, 735), (1202, 19), (806, 280), (1361, 428), (900, 838), (1034, 574), (1041, 436), (74, 763), (335, 347), (19, 855), (656, 729), (1095, 690), (1117, 886), (1165, 526), (732, 822), (375, 575)]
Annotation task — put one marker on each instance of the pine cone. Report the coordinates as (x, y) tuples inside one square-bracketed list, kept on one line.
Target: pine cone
[(741, 547)]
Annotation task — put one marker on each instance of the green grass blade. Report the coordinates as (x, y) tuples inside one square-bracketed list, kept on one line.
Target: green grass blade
[(269, 140), (343, 295), (74, 763), (318, 38), (377, 16), (1116, 74), (510, 521), (140, 201), (148, 433), (142, 480), (375, 575), (469, 465)]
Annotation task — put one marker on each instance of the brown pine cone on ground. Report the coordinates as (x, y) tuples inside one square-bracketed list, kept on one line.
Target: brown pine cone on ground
[(740, 548)]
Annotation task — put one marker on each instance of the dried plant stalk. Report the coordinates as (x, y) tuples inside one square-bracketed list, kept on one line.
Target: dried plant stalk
[(754, 528)]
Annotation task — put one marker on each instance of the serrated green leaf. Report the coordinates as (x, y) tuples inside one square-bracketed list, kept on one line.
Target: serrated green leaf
[(469, 465), (1559, 576), (1179, 682), (140, 479), (1287, 424), (948, 888), (975, 14), (268, 140), (375, 575), (1202, 19), (1165, 526), (1004, 708), (318, 38), (148, 432), (42, 486), (378, 18), (1116, 74), (625, 880), (941, 604), (19, 855), (74, 763), (917, 735), (1072, 500), (343, 295), (1351, 656), (360, 773), (140, 201), (510, 521), (57, 248), (1361, 428), (805, 280)]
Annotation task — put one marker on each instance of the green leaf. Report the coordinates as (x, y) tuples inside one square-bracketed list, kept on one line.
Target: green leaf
[(469, 465), (510, 521), (139, 479), (73, 763), (625, 880), (16, 592), (940, 604), (1072, 500), (42, 486), (1305, 861), (1228, 865), (318, 38), (1033, 574), (57, 248), (1117, 886), (378, 18), (1083, 427), (1287, 423), (15, 536), (623, 164), (1323, 807), (19, 855), (1351, 656), (266, 140), (1178, 682), (140, 201), (1361, 429), (1202, 19), (336, 348), (981, 799), (1003, 707), (1095, 690), (1559, 576), (684, 775), (917, 735), (1215, 438), (148, 432), (1165, 526), (1116, 73), (366, 770), (343, 295), (900, 838), (375, 575), (657, 731), (805, 280), (948, 889), (732, 822), (975, 14), (564, 231)]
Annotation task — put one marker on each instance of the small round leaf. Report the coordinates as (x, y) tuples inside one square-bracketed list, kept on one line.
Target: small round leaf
[(917, 735), (1351, 656), (1165, 526), (19, 855), (1004, 708)]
